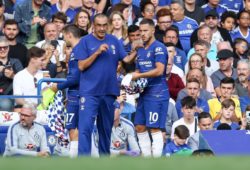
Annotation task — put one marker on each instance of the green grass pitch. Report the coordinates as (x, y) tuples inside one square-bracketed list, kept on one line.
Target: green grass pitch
[(125, 163)]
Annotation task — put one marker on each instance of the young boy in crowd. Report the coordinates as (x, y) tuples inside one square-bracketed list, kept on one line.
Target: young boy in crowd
[(178, 144), (227, 113)]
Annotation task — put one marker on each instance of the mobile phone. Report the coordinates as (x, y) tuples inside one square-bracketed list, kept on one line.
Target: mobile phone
[(54, 43)]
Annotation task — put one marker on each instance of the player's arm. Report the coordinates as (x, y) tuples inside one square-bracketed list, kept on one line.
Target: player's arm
[(86, 63), (158, 71), (130, 58)]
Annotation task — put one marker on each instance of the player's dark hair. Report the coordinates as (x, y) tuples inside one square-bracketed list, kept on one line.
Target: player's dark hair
[(147, 21), (188, 102), (74, 30), (182, 132)]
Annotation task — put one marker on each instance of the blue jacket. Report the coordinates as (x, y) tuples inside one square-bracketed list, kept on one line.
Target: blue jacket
[(24, 15)]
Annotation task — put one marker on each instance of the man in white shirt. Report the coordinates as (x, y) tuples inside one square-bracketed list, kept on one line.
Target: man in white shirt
[(25, 81)]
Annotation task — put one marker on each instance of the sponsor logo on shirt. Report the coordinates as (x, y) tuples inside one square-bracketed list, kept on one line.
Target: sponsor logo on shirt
[(51, 140)]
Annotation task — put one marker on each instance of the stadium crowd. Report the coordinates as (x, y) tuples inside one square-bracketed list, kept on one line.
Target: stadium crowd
[(142, 77)]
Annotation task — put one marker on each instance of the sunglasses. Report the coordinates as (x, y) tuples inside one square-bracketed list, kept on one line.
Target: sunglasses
[(4, 48)]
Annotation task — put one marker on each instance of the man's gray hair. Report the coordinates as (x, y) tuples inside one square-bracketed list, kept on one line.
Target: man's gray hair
[(3, 40), (31, 106), (180, 2), (244, 61)]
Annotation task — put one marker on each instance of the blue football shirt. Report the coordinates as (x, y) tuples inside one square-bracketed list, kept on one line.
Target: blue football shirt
[(100, 78), (157, 88)]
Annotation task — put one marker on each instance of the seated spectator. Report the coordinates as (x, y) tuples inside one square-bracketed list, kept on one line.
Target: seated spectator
[(226, 115), (226, 87), (82, 21), (64, 7), (197, 141), (16, 50), (51, 36), (26, 137), (9, 67), (202, 47), (193, 90), (228, 20), (176, 67), (178, 144), (240, 48), (241, 83), (60, 19), (214, 5), (175, 83), (245, 100), (147, 11), (225, 58), (123, 137), (188, 108), (205, 81), (194, 11), (32, 21), (164, 21), (185, 24), (242, 31), (25, 81)]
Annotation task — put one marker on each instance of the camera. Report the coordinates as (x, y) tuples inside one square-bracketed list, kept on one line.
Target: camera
[(248, 116)]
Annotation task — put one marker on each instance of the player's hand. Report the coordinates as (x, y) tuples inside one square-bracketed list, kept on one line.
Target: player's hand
[(102, 48), (135, 75)]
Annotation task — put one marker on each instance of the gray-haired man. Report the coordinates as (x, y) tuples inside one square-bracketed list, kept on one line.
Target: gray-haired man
[(26, 137)]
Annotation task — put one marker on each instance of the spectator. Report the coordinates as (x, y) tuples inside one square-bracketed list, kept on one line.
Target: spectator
[(147, 12), (25, 81), (202, 47), (8, 68), (51, 37), (123, 137), (164, 21), (26, 137), (175, 83), (185, 24), (225, 58), (172, 116), (194, 11), (245, 100), (226, 115), (226, 88), (64, 7), (188, 107), (242, 31), (178, 144), (197, 141), (16, 50), (32, 21), (60, 20), (232, 5), (204, 33), (214, 5), (82, 21), (228, 20), (240, 49), (193, 90), (241, 83)]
